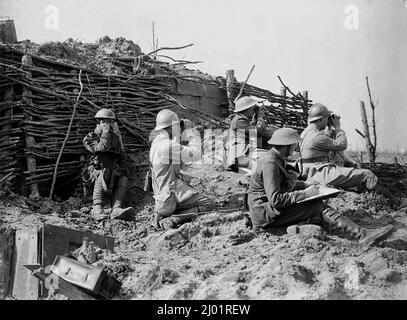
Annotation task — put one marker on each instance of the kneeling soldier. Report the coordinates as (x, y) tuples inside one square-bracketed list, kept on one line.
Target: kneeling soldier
[(109, 165), (274, 195), (175, 201)]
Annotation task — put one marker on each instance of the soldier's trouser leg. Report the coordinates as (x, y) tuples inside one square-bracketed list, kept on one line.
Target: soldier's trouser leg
[(309, 212), (98, 192), (164, 207), (187, 210), (365, 236), (196, 203), (363, 179), (344, 178), (118, 198)]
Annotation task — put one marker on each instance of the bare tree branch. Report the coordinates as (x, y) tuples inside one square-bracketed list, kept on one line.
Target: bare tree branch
[(169, 48), (288, 89), (66, 136), (360, 133)]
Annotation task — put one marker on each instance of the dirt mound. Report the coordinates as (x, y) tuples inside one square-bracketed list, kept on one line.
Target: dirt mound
[(217, 257), (116, 56)]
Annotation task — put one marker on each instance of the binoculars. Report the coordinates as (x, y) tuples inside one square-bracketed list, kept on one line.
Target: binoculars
[(332, 117)]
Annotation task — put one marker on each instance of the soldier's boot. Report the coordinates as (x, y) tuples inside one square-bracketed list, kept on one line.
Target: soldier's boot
[(366, 237), (98, 213), (182, 216), (397, 203), (118, 212), (186, 215), (97, 198)]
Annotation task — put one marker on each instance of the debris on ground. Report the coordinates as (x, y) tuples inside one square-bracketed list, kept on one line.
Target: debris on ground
[(217, 257)]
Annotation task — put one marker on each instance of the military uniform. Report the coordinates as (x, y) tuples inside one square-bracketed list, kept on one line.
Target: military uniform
[(274, 192), (171, 193), (108, 168), (240, 145), (317, 147)]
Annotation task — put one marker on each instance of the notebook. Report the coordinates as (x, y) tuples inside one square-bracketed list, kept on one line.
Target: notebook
[(324, 192)]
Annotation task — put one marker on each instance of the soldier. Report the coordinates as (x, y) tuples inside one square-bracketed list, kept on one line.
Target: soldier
[(274, 195), (316, 146), (239, 152), (109, 166), (338, 157), (175, 201)]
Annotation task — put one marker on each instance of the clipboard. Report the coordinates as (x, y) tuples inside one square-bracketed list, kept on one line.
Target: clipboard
[(325, 192)]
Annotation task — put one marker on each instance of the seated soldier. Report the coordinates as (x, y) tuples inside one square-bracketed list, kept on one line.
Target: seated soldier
[(316, 148), (175, 201), (241, 151), (338, 157), (108, 166), (274, 195)]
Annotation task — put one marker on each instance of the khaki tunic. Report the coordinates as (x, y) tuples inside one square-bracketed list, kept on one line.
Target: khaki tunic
[(170, 191), (274, 192), (246, 139), (107, 153), (316, 144)]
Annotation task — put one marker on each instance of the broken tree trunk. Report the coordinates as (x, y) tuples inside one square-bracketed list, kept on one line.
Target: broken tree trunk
[(369, 146), (373, 107)]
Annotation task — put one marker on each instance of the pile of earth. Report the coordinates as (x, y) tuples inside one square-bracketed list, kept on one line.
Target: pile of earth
[(116, 56), (217, 257)]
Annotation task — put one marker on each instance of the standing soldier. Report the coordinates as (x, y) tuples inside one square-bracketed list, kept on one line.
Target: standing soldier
[(108, 167), (316, 148), (175, 201), (274, 195)]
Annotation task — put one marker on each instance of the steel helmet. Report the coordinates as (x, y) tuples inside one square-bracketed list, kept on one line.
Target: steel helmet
[(318, 111), (166, 118), (284, 137), (244, 103), (105, 114)]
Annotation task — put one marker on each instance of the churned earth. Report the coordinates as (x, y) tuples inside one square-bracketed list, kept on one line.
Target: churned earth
[(217, 257)]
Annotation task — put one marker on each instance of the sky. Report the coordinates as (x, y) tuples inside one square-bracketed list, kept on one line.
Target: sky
[(326, 47)]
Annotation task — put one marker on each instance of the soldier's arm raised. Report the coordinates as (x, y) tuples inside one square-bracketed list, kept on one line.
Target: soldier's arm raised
[(323, 142)]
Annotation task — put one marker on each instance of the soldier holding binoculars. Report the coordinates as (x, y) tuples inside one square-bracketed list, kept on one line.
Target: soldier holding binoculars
[(317, 148)]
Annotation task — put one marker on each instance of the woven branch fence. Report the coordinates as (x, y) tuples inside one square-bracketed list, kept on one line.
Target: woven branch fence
[(284, 111), (38, 103), (37, 96), (392, 175)]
